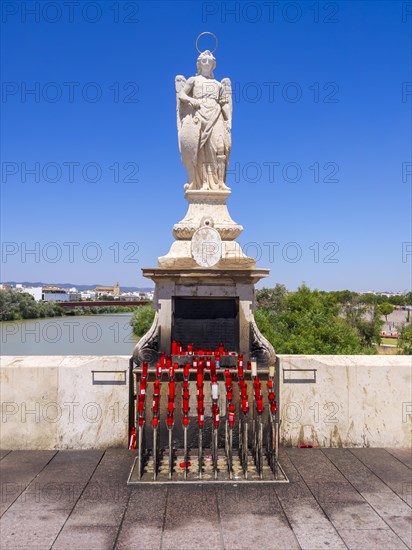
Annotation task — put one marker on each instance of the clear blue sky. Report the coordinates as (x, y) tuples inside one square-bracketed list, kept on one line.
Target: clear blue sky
[(316, 85)]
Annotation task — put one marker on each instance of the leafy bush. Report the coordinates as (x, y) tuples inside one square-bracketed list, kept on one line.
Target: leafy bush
[(142, 319), (311, 322), (405, 340)]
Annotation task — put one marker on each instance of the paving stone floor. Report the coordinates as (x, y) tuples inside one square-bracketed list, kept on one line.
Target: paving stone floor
[(337, 498)]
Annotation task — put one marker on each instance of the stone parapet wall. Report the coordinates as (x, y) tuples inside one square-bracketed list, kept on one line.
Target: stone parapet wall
[(57, 402), (81, 402), (346, 400)]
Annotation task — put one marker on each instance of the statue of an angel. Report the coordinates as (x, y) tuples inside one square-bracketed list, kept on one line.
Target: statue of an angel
[(204, 121)]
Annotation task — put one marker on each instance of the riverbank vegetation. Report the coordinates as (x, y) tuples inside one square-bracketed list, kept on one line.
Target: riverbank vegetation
[(142, 319), (313, 321), (317, 322), (15, 306)]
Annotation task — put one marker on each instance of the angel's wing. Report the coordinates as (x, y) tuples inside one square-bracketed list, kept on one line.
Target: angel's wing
[(180, 82), (188, 131), (227, 97)]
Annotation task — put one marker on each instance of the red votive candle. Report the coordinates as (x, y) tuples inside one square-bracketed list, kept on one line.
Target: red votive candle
[(158, 370), (186, 369), (174, 347), (155, 407), (145, 368), (216, 416), (171, 372), (245, 405), (143, 385), (231, 414)]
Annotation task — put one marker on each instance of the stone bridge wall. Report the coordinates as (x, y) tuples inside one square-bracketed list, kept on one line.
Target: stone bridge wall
[(81, 402)]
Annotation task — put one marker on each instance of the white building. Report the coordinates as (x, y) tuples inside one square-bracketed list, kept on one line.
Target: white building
[(35, 291)]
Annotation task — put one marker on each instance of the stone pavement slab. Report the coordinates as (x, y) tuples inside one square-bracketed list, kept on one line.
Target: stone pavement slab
[(35, 519), (98, 513), (404, 455), (389, 469), (17, 471), (144, 518), (336, 498)]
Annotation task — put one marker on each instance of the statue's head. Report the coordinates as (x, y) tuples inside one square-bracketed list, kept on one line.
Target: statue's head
[(206, 63)]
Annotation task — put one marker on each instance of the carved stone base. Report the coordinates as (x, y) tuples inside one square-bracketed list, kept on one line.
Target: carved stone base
[(207, 208), (147, 348), (180, 256), (204, 284), (261, 348)]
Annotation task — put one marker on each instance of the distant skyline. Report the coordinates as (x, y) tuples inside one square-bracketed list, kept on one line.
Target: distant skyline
[(82, 286), (320, 170)]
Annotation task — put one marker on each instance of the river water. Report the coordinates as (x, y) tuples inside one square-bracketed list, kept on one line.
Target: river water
[(107, 334)]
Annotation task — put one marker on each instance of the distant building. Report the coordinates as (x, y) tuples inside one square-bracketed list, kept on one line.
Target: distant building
[(113, 291), (54, 294), (87, 295), (35, 291)]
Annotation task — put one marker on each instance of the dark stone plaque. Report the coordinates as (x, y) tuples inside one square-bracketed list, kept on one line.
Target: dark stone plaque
[(205, 322)]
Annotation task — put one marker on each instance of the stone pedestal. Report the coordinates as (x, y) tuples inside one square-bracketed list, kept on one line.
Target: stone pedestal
[(215, 285), (206, 209), (205, 286)]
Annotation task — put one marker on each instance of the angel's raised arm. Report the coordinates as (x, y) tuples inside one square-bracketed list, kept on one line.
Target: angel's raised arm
[(185, 90)]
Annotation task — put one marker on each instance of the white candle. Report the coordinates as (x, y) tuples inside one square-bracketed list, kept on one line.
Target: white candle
[(254, 366), (215, 391)]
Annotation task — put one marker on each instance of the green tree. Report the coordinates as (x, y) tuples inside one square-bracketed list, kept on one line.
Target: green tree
[(385, 309), (142, 319), (309, 324), (396, 300), (272, 299), (405, 340), (366, 320)]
